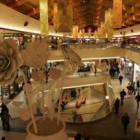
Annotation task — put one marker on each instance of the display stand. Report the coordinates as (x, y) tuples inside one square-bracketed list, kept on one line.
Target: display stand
[(137, 130)]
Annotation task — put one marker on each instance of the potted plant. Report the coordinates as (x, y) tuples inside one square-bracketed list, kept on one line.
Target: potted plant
[(49, 126)]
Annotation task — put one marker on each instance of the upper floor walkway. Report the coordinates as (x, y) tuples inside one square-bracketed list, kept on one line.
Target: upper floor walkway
[(89, 53)]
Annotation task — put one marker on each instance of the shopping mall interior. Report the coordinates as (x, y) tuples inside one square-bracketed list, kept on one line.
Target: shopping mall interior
[(69, 69)]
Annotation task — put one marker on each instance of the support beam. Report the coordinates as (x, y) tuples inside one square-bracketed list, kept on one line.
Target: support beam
[(33, 11), (17, 3)]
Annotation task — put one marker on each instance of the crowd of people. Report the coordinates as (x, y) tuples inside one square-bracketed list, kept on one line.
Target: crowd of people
[(133, 88), (114, 68)]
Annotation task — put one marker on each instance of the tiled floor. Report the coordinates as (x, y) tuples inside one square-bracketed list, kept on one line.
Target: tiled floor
[(109, 128), (13, 135)]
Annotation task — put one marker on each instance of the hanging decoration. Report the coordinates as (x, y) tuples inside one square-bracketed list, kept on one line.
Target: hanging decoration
[(110, 32), (80, 33), (44, 17), (109, 18), (75, 31), (89, 32), (55, 16), (83, 33), (95, 34), (99, 32), (109, 23), (65, 16), (103, 30), (117, 13)]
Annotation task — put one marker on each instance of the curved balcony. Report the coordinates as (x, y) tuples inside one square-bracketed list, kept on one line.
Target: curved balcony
[(112, 51)]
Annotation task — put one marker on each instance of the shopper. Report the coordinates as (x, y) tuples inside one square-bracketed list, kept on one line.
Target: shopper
[(78, 137), (138, 84), (95, 70), (125, 121), (132, 88), (138, 100), (120, 79), (122, 95), (4, 108), (117, 105), (6, 119), (63, 106), (3, 138), (129, 88)]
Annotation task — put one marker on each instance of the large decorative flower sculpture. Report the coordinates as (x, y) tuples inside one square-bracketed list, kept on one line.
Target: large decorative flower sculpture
[(35, 55), (9, 61), (71, 56)]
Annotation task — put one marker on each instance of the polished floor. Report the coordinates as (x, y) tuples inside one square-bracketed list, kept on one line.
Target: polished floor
[(94, 101), (109, 128)]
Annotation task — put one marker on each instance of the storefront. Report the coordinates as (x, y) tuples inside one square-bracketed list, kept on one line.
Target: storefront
[(128, 67), (136, 72), (8, 92)]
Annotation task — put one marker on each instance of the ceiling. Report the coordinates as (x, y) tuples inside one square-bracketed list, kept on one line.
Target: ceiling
[(86, 12)]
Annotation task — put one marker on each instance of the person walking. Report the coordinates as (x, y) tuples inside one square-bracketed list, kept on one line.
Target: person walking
[(122, 95), (137, 99), (125, 121), (128, 88), (95, 70), (3, 138), (4, 108), (78, 137), (120, 79), (117, 105), (6, 119), (138, 84)]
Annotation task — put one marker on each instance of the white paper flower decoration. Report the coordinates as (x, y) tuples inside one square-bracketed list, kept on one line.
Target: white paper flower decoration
[(9, 61), (38, 75), (27, 88), (24, 114), (55, 73), (72, 57), (35, 55)]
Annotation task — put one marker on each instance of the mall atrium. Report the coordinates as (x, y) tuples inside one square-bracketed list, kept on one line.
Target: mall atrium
[(69, 69)]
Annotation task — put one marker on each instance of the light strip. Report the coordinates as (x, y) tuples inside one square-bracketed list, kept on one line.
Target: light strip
[(79, 86), (131, 34), (44, 17), (60, 60), (83, 85), (19, 29), (110, 86), (100, 58), (27, 30)]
